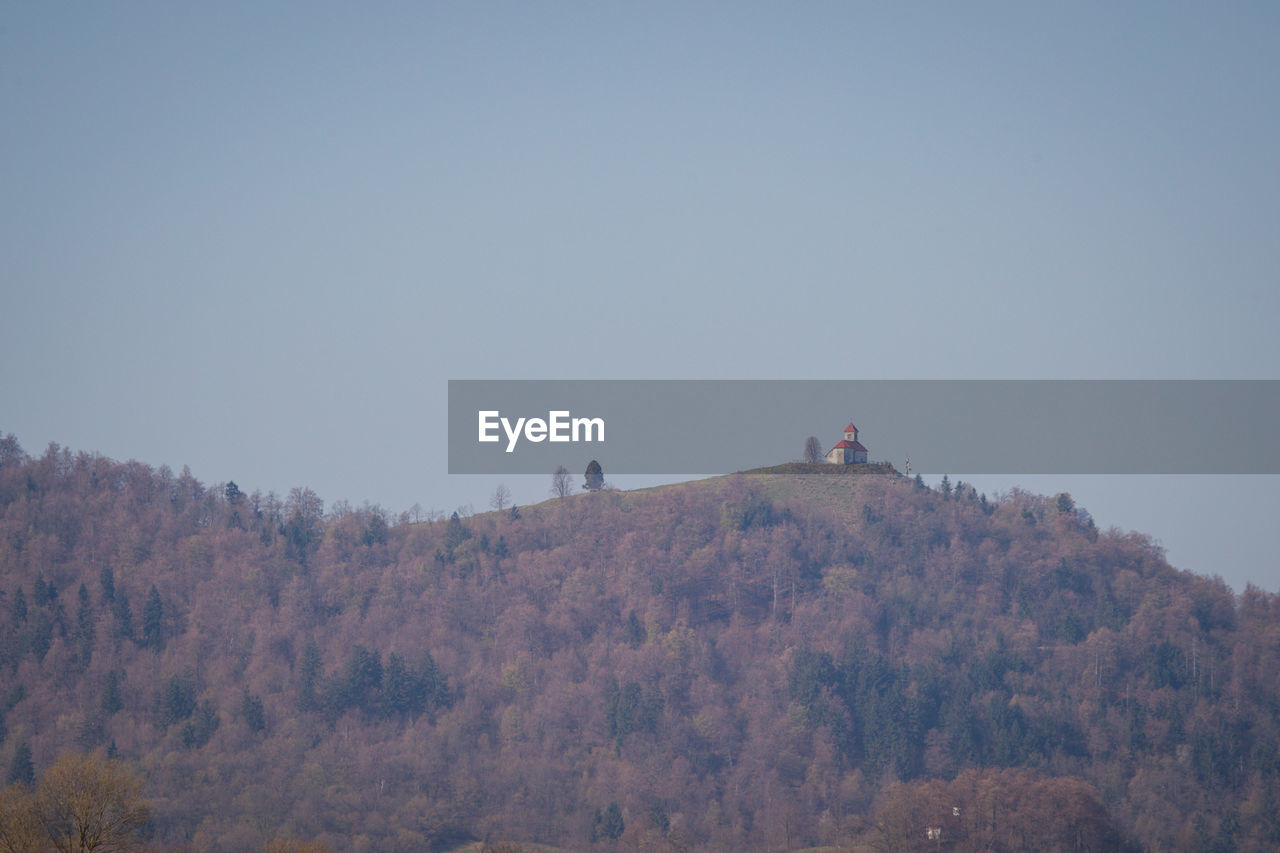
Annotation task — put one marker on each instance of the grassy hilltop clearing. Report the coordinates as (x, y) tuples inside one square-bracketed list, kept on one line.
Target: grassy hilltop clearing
[(789, 658)]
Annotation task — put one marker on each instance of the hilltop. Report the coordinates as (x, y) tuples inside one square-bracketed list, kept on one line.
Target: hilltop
[(763, 661)]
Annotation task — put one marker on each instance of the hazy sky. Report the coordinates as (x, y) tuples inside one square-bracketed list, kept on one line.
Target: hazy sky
[(258, 239)]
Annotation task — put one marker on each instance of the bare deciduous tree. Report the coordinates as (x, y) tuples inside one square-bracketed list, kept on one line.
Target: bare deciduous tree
[(501, 498), (812, 450), (86, 803), (19, 831), (561, 483)]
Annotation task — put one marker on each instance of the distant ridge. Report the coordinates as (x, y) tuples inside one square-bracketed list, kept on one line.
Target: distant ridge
[(827, 469), (788, 656)]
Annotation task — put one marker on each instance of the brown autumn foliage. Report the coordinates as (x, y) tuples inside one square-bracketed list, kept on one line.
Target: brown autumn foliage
[(20, 832), (289, 846), (1009, 809), (82, 804), (745, 663)]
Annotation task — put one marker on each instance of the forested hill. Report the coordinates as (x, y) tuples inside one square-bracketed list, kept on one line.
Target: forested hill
[(755, 662)]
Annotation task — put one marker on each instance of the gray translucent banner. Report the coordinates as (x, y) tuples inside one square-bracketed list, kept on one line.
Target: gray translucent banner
[(956, 427)]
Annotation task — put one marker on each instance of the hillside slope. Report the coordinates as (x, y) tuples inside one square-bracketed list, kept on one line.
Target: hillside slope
[(761, 661)]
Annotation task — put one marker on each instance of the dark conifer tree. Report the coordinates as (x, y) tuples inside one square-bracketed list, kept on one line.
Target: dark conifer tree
[(124, 615), (42, 635), (44, 592), (594, 477), (153, 620), (84, 626), (397, 688), (111, 698), (612, 825), (107, 580), (310, 671), (19, 607), (21, 770), (253, 712)]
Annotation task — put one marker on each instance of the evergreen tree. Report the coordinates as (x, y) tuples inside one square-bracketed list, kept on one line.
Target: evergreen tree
[(612, 825), (107, 580), (124, 615), (111, 698), (21, 770), (84, 626), (84, 607), (153, 620), (594, 477), (175, 701), (45, 593), (19, 607), (432, 684), (310, 670), (15, 695), (200, 728), (42, 636), (397, 688), (636, 633), (253, 712), (375, 532), (454, 535), (360, 683)]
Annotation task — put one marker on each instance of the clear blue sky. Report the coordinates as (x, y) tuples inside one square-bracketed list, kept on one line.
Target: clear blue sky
[(258, 239)]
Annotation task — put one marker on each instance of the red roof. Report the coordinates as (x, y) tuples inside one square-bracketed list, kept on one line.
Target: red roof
[(851, 428), (846, 443)]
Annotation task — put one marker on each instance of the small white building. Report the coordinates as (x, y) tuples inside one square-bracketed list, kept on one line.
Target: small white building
[(848, 451)]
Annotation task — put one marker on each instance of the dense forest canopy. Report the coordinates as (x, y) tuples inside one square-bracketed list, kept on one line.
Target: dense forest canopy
[(760, 661)]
